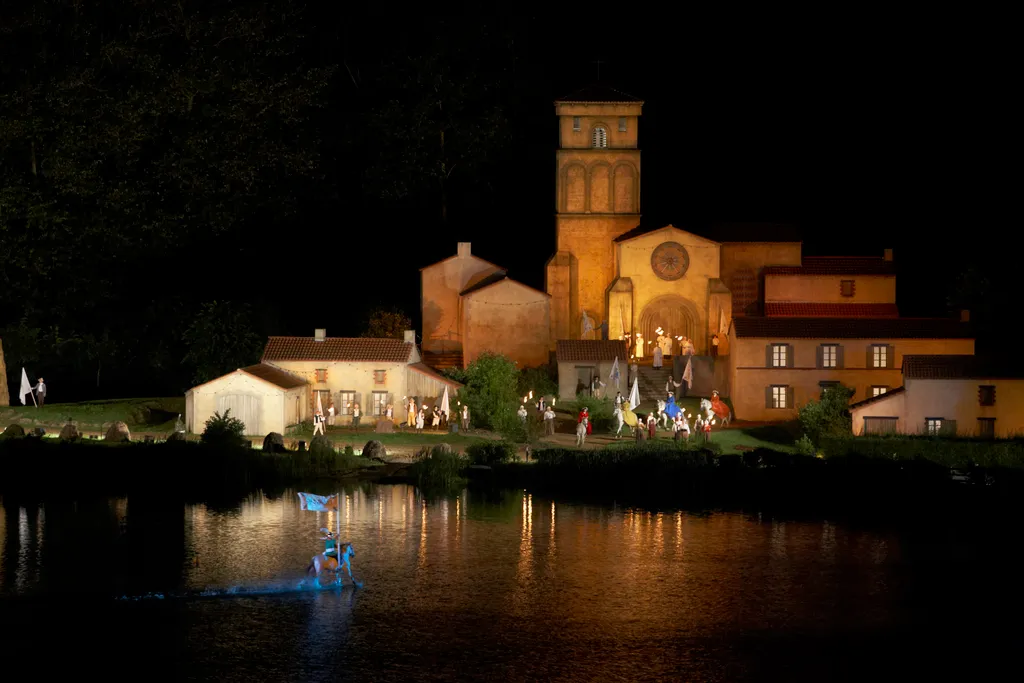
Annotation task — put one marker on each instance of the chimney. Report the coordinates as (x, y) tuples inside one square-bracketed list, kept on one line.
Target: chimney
[(410, 336), (888, 254), (965, 316), (464, 249), (319, 335)]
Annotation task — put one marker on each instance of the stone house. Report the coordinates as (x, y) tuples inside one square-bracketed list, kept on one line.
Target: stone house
[(946, 394), (580, 360), (267, 399)]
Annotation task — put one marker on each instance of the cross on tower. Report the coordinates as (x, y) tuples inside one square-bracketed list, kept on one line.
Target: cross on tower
[(599, 63)]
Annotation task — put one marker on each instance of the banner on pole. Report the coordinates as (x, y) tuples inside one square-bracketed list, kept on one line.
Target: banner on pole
[(26, 388), (315, 503)]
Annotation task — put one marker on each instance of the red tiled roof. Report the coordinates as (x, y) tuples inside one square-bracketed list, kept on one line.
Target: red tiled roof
[(276, 376), (358, 349), (818, 310), (591, 350), (852, 328), (836, 265), (872, 399), (949, 366)]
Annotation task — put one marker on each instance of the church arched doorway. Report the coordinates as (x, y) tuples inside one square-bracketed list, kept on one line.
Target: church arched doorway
[(673, 314)]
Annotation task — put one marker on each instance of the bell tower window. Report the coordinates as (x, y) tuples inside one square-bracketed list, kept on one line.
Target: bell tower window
[(599, 139)]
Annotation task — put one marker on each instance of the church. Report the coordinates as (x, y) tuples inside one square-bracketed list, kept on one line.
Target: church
[(769, 327)]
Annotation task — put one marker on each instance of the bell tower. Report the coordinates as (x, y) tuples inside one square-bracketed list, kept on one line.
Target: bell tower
[(597, 199)]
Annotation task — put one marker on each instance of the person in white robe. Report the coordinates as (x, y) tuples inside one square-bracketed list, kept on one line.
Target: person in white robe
[(665, 342), (419, 420), (330, 415), (639, 345), (657, 357)]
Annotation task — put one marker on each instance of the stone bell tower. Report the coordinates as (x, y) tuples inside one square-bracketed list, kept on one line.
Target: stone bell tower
[(597, 199)]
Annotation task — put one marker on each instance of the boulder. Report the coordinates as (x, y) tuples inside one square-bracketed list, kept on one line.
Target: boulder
[(374, 450), (320, 444), (178, 437), (385, 427), (69, 432), (273, 443), (14, 430), (118, 432)]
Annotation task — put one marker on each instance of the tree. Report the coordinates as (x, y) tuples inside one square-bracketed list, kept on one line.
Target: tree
[(387, 323), (491, 392), (829, 416), (221, 338)]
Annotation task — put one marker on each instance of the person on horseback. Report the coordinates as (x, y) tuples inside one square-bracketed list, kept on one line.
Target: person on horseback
[(330, 551)]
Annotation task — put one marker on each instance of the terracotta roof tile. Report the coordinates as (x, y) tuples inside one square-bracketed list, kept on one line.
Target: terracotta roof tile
[(836, 265), (851, 328), (276, 376), (873, 399), (591, 351), (818, 310), (357, 349), (955, 367)]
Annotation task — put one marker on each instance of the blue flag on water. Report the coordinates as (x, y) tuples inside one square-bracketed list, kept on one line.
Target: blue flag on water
[(315, 503)]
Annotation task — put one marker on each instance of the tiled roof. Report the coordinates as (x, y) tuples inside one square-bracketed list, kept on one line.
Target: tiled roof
[(598, 94), (277, 376), (836, 265), (434, 374), (852, 328), (809, 310), (880, 397), (591, 351), (955, 367), (364, 349)]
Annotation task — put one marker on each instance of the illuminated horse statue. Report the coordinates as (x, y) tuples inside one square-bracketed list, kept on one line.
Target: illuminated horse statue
[(581, 431), (716, 408), (331, 566)]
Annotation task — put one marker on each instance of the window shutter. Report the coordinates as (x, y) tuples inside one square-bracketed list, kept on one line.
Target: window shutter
[(359, 400), (790, 396), (869, 363), (768, 397), (839, 356), (789, 356), (949, 427), (768, 356), (890, 356), (821, 357)]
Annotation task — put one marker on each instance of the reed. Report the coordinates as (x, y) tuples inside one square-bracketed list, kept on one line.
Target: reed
[(439, 468)]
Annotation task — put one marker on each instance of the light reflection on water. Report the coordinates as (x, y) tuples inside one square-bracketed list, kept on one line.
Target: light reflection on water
[(503, 578)]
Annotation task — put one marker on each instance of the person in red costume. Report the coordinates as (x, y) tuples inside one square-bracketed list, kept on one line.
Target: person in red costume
[(583, 414), (718, 407)]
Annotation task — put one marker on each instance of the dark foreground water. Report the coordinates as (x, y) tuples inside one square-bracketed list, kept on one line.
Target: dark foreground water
[(499, 587)]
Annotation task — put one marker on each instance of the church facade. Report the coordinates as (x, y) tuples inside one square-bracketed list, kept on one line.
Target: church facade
[(786, 325)]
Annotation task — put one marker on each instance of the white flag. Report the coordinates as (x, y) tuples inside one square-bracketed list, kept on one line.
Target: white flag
[(614, 375), (634, 395), (26, 388), (688, 373)]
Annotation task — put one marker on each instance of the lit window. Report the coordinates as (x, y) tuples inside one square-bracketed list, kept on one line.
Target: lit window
[(600, 138), (622, 124), (986, 395), (380, 402), (348, 398), (880, 356), (878, 391), (846, 287), (321, 375), (933, 426), (576, 123), (779, 397), (830, 356), (779, 355), (380, 376)]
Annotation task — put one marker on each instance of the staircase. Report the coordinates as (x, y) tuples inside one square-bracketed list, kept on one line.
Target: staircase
[(442, 361), (652, 382)]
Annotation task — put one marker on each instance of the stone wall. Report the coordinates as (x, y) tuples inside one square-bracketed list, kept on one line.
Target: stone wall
[(508, 318)]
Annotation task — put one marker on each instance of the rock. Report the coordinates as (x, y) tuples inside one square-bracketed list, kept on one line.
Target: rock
[(374, 450), (118, 432), (385, 427), (177, 437), (69, 432), (320, 444), (14, 430), (273, 443)]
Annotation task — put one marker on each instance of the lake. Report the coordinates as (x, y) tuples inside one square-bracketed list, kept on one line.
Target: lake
[(497, 586)]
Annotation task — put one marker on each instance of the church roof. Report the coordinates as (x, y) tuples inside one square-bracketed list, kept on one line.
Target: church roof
[(490, 282), (724, 232), (598, 94), (590, 350), (851, 328), (818, 310), (353, 349), (954, 367), (836, 265)]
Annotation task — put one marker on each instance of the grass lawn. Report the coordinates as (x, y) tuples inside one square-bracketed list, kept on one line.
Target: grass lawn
[(140, 414)]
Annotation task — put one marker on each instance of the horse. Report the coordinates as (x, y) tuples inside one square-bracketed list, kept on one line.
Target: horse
[(662, 415), (581, 432), (620, 420), (716, 408), (323, 563)]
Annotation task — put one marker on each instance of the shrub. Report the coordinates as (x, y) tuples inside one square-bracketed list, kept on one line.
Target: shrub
[(538, 380), (491, 391), (600, 410), (491, 453), (959, 453), (223, 430), (828, 417), (439, 467), (804, 446)]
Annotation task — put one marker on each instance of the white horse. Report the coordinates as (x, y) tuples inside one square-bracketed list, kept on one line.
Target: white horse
[(663, 417), (710, 414), (581, 432), (620, 420), (323, 563)]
